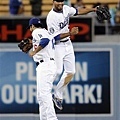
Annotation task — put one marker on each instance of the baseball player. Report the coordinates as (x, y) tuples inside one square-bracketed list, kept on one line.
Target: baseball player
[(43, 55), (58, 21)]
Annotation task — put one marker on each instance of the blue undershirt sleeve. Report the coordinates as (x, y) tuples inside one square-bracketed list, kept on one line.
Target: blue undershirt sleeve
[(44, 42), (57, 37)]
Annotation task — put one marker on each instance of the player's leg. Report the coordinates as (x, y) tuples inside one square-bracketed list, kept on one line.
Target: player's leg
[(59, 55), (69, 71), (45, 78)]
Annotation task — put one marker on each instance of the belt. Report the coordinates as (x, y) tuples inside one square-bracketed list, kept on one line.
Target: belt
[(37, 63), (64, 40)]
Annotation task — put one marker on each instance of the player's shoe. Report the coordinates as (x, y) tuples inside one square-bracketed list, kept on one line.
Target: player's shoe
[(58, 102)]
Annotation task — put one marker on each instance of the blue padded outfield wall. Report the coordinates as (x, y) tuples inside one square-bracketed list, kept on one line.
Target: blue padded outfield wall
[(93, 93)]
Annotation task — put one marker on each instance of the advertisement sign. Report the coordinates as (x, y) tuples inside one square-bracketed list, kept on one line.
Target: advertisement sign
[(17, 83), (14, 30), (86, 29), (89, 92)]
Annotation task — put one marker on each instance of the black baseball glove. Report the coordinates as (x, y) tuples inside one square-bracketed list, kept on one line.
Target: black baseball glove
[(25, 45), (103, 13)]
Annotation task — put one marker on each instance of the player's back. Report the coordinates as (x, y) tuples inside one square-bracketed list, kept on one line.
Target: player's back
[(48, 50)]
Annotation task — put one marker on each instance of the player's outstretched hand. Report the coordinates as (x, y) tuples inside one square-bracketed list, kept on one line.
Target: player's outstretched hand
[(74, 31)]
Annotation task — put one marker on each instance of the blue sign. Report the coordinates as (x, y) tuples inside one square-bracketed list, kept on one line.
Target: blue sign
[(88, 92)]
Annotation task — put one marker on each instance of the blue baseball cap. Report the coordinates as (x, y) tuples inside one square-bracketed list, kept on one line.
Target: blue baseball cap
[(34, 21)]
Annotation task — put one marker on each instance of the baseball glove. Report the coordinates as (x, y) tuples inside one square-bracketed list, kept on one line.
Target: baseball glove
[(25, 45), (103, 13)]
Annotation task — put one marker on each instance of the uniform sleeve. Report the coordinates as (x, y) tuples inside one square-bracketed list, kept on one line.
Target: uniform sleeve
[(41, 38), (44, 42), (72, 11), (52, 25), (57, 37)]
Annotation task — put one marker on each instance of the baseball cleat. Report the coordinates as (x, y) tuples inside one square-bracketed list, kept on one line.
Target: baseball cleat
[(58, 102)]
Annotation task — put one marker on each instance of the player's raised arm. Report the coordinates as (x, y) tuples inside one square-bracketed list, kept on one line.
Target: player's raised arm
[(73, 31), (79, 11), (82, 11)]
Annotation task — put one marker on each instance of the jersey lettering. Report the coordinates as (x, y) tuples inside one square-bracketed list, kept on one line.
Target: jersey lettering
[(40, 35), (63, 24), (51, 30)]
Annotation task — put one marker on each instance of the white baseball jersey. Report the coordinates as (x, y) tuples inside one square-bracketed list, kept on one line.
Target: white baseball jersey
[(59, 22), (45, 73), (48, 51)]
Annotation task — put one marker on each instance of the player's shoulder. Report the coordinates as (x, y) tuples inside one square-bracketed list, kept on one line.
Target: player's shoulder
[(42, 31), (50, 15), (67, 7), (37, 31), (50, 12)]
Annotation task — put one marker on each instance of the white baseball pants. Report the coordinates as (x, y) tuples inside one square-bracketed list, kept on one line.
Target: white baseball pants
[(45, 73), (64, 57)]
